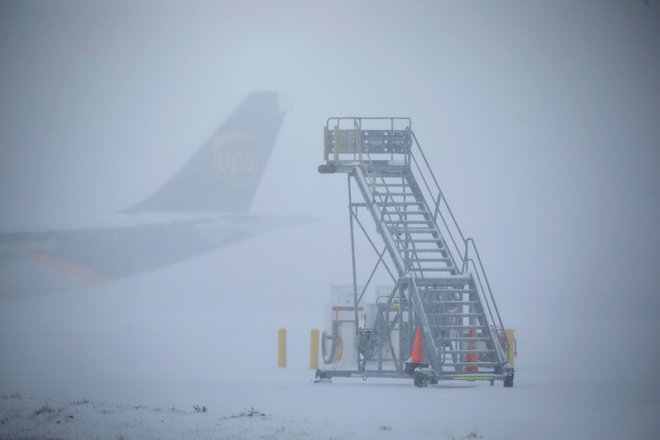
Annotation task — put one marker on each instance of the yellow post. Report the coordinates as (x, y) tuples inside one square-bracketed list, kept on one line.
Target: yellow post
[(325, 143), (314, 350), (511, 342), (281, 354), (336, 145)]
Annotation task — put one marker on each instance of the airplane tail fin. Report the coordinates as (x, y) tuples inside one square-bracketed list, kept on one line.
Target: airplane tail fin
[(225, 172)]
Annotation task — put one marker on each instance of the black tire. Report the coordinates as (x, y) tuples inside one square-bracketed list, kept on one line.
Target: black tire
[(508, 381), (420, 380)]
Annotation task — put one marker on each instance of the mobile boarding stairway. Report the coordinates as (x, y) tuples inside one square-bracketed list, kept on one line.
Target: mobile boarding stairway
[(441, 299)]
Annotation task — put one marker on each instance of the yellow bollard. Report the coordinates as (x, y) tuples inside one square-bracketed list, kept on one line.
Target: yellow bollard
[(314, 350), (511, 342), (336, 142), (325, 143), (281, 353)]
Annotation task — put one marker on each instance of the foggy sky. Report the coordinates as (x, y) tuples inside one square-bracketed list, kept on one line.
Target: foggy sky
[(540, 119)]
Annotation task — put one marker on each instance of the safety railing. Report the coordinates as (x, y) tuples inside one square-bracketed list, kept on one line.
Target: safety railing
[(385, 139), (462, 249), (346, 139)]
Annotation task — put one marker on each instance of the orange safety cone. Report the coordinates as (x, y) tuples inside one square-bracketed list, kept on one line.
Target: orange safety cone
[(472, 357), (418, 348)]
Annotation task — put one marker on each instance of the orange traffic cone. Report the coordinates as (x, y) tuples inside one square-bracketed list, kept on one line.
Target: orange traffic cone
[(418, 348), (472, 357)]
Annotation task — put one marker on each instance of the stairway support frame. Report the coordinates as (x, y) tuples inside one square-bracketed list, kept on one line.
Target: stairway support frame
[(363, 172)]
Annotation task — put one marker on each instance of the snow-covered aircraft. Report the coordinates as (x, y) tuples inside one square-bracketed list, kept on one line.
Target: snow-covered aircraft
[(203, 207)]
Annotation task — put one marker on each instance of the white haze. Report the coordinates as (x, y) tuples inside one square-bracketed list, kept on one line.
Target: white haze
[(540, 119)]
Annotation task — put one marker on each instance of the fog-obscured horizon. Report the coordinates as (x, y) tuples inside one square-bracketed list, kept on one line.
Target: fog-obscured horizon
[(541, 121)]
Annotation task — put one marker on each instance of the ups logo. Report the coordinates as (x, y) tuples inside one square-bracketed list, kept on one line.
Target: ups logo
[(235, 158)]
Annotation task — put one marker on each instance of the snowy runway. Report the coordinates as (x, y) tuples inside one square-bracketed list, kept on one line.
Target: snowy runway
[(288, 405)]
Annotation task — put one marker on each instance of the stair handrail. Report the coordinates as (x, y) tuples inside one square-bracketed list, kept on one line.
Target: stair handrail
[(441, 205), (436, 210), (357, 126), (439, 201), (357, 154), (481, 271)]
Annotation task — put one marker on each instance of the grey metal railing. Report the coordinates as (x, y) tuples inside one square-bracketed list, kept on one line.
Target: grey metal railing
[(462, 248)]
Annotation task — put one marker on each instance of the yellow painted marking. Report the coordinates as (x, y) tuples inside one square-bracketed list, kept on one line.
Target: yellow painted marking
[(472, 378), (224, 138), (81, 272), (339, 350), (235, 167)]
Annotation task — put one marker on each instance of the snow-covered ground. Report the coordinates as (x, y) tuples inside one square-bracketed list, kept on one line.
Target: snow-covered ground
[(130, 359), (286, 404)]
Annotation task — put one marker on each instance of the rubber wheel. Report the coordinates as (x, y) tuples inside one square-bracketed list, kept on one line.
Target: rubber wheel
[(508, 381), (420, 381)]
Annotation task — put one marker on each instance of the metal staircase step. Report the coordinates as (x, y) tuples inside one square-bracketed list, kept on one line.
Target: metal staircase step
[(476, 364), (412, 230), (433, 269), (440, 299), (449, 281), (428, 260), (405, 213), (468, 351), (450, 303), (398, 194), (461, 327), (402, 203), (429, 264), (409, 222), (463, 339), (412, 251), (440, 296), (433, 250), (454, 314)]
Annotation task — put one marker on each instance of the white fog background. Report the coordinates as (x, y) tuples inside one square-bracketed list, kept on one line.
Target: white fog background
[(541, 120)]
